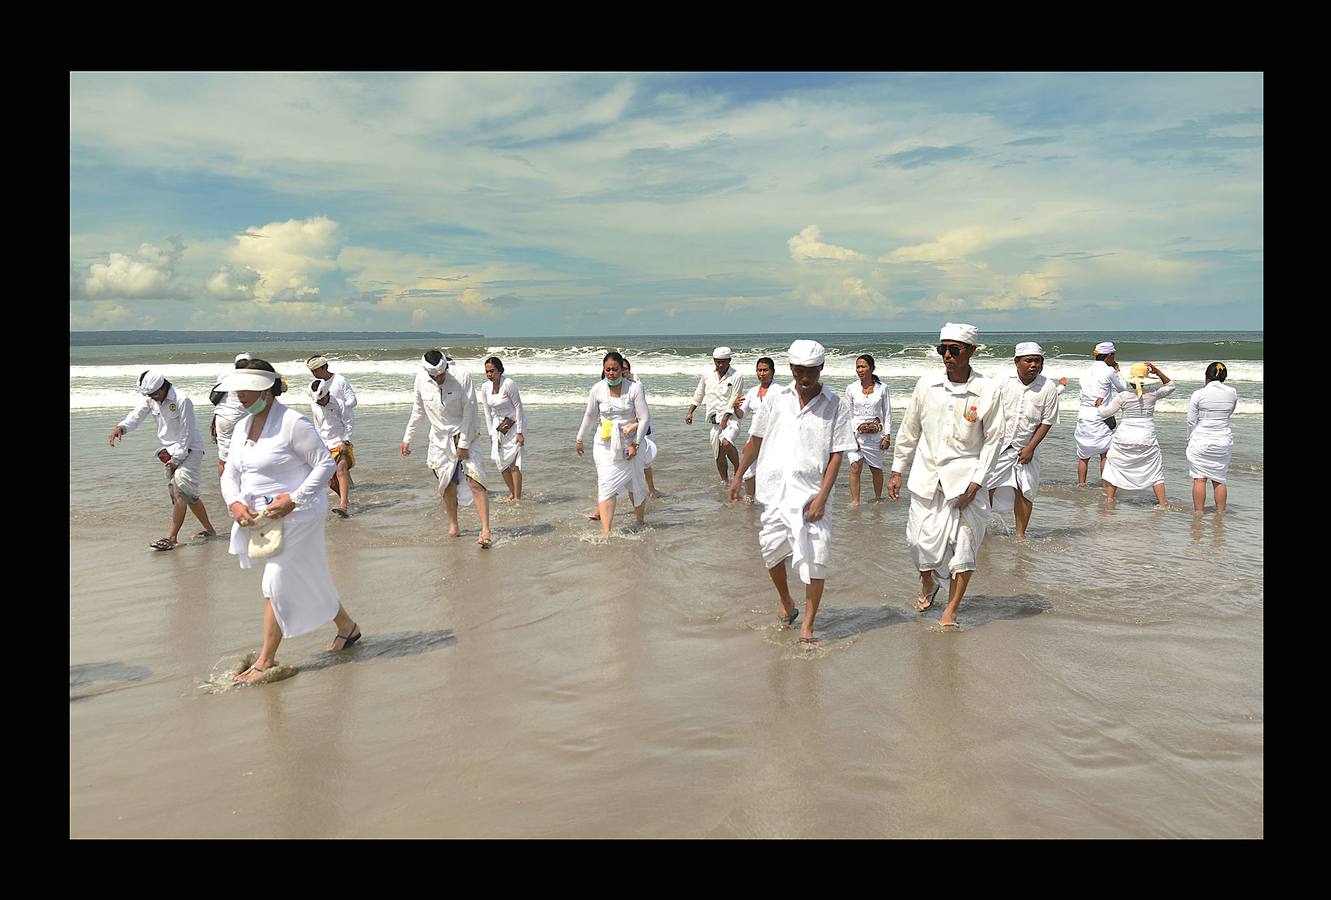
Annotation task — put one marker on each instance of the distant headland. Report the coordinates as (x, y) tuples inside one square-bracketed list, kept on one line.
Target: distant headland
[(95, 338)]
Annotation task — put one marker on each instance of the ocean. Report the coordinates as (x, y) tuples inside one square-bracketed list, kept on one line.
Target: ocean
[(1107, 680)]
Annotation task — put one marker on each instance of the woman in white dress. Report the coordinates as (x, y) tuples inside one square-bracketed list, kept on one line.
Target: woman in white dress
[(506, 421), (871, 413), (1134, 462), (1210, 442), (278, 465), (622, 414), (747, 406)]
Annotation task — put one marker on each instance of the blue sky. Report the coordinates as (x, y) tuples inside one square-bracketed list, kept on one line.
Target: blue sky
[(582, 204)]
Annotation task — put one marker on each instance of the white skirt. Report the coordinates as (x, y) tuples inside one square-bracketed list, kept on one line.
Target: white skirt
[(647, 452), (296, 579), (1209, 455), (1093, 437), (1134, 466), (784, 532), (729, 433), (616, 475), (943, 539), (1011, 476), (505, 450), (443, 460), (869, 450)]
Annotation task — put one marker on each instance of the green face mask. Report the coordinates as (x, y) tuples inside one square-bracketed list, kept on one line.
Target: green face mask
[(259, 406), (614, 382)]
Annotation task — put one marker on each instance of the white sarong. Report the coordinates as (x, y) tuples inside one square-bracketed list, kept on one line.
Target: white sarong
[(616, 475), (943, 539), (187, 477), (869, 450), (729, 433), (1209, 453), (1093, 435), (647, 452), (296, 580), (505, 451), (1011, 476), (443, 459), (784, 532)]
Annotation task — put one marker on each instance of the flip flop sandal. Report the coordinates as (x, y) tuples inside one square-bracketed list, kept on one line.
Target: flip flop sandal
[(237, 676), (342, 513), (790, 619), (204, 535), (163, 544), (809, 643), (348, 640), (921, 606)]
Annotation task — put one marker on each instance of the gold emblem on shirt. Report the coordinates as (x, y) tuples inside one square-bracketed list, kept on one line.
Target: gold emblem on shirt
[(172, 407)]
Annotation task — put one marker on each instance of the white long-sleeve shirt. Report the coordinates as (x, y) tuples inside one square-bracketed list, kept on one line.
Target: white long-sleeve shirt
[(174, 417), (717, 393), (330, 422), (340, 390), (506, 403), (630, 406), (953, 450), (749, 406), (288, 458), (866, 408), (1099, 383), (450, 408), (1026, 407), (1137, 423)]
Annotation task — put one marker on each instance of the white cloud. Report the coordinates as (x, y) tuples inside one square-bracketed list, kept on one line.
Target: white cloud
[(233, 283), (953, 244), (808, 244), (289, 258), (148, 274), (848, 295), (104, 314)]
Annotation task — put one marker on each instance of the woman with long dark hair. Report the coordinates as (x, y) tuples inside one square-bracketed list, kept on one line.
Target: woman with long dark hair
[(871, 413), (621, 410)]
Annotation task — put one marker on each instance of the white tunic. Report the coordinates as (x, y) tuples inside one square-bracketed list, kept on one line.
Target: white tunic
[(868, 408), (505, 450), (288, 458), (717, 395), (797, 443), (455, 424), (748, 409), (225, 416), (1093, 434), (1025, 408), (174, 418), (340, 390), (950, 437), (329, 421), (1210, 442), (615, 475), (1134, 460)]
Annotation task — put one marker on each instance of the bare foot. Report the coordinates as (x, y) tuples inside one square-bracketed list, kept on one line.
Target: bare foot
[(655, 494), (452, 531), (484, 541), (854, 503)]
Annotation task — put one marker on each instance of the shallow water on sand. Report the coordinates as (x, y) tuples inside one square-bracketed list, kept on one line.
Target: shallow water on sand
[(1107, 680)]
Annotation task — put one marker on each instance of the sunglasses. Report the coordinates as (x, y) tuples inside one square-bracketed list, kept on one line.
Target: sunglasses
[(954, 349)]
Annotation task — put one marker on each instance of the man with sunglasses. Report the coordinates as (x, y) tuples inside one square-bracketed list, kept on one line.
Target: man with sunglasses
[(955, 421), (1098, 385)]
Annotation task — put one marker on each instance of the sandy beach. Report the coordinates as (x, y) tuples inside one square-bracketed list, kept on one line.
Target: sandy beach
[(1107, 681)]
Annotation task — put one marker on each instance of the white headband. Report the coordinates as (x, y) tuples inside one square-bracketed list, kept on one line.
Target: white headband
[(721, 353), (957, 331), (433, 369), (1028, 348), (246, 356), (316, 362), (150, 382), (1105, 347), (806, 353), (318, 389)]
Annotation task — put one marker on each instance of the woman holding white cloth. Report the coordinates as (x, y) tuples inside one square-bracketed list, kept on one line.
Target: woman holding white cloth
[(278, 467), (506, 421), (622, 412), (1134, 462), (1210, 442)]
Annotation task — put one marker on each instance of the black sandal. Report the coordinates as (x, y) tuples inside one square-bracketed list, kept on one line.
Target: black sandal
[(347, 639)]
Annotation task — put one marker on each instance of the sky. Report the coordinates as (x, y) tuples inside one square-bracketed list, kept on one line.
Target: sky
[(529, 204)]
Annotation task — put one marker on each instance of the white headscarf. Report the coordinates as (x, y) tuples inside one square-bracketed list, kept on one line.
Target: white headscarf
[(806, 353), (316, 362), (247, 380), (318, 389), (1105, 347), (150, 382), (957, 331), (245, 356), (721, 353), (1028, 348)]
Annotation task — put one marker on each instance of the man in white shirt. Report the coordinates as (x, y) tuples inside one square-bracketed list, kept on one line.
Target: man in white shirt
[(339, 389), (1030, 409), (181, 451), (718, 390), (799, 435), (1098, 386), (329, 420), (955, 419), (227, 411), (448, 401)]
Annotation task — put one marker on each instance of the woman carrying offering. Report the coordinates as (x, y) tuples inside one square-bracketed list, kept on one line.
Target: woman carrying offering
[(507, 423), (871, 413)]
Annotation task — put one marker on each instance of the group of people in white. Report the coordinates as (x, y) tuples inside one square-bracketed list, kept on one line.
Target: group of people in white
[(971, 444)]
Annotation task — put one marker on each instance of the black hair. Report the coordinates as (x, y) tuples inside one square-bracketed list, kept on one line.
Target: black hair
[(766, 359), (1216, 371), (869, 359), (314, 385), (1100, 356), (494, 361), (433, 357), (623, 361), (242, 364), (263, 365), (609, 356)]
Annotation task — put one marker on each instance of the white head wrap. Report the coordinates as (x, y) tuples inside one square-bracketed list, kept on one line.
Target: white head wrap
[(316, 362), (1028, 348), (436, 370), (721, 353), (318, 389), (247, 380), (151, 380), (245, 356), (806, 353), (1105, 347), (956, 331)]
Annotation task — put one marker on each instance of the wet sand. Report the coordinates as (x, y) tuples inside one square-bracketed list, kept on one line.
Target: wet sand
[(1107, 681)]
